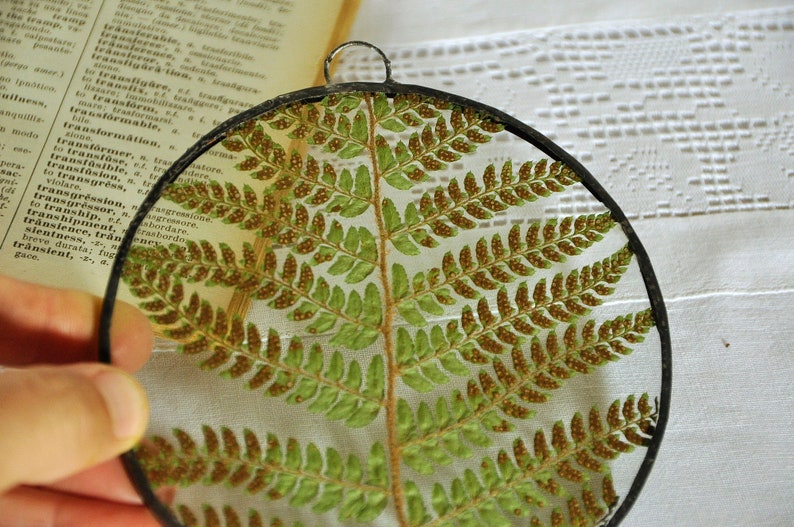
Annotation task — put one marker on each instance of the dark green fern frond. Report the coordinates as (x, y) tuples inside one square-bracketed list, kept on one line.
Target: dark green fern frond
[(304, 476)]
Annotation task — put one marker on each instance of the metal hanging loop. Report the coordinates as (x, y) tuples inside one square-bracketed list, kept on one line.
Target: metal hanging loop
[(351, 43)]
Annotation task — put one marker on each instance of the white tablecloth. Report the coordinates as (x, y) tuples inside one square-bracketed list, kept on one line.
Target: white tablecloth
[(686, 115)]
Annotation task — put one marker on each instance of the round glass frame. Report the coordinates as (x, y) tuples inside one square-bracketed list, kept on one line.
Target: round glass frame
[(391, 90)]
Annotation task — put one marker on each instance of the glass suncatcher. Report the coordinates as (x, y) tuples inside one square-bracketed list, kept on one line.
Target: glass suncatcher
[(388, 305)]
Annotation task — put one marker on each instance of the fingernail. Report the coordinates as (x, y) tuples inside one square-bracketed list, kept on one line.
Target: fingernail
[(125, 401)]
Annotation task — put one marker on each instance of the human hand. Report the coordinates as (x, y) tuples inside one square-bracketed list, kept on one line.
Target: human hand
[(64, 419)]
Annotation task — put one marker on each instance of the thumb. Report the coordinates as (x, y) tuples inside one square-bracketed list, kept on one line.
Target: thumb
[(57, 421)]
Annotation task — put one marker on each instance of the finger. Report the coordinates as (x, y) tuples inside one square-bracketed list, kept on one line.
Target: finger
[(107, 481), (58, 421), (43, 508), (57, 326)]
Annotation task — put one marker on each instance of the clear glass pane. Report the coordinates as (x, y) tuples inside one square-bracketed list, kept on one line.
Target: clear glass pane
[(392, 310)]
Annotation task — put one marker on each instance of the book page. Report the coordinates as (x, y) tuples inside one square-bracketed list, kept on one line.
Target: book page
[(99, 98)]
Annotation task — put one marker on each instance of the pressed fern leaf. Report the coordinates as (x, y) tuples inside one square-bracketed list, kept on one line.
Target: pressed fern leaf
[(356, 230), (289, 286), (228, 517), (587, 511), (306, 477), (494, 262), (517, 484), (342, 125), (333, 386), (461, 205), (493, 401), (481, 332)]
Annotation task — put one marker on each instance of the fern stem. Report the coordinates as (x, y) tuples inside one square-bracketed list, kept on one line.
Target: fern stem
[(389, 309)]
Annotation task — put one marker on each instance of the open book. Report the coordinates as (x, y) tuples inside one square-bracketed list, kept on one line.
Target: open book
[(98, 98)]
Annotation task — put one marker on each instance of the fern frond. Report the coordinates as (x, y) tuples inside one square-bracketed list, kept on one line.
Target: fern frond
[(519, 484), (429, 438), (327, 123), (441, 214), (228, 517), (340, 124), (358, 317), (436, 437), (354, 253), (563, 300), (438, 143), (473, 328), (410, 350), (202, 262), (265, 159), (329, 387), (532, 375), (286, 285), (492, 263), (306, 477), (480, 333), (334, 389), (305, 178), (161, 294), (587, 511)]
